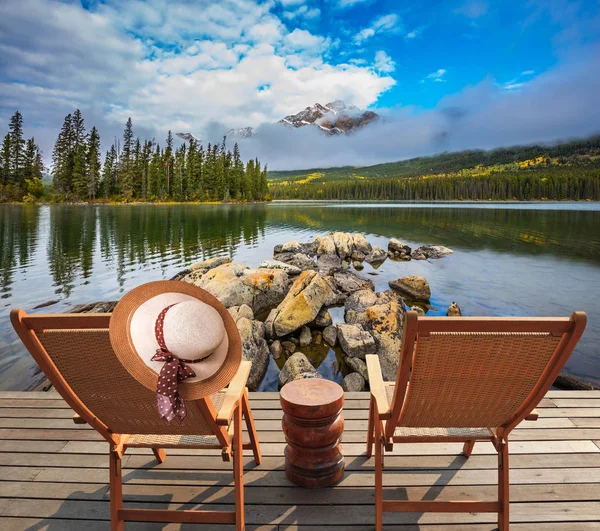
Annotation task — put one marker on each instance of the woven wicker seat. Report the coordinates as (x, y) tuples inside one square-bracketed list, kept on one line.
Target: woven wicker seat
[(75, 352), (465, 380)]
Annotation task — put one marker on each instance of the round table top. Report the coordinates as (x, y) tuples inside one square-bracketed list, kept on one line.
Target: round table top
[(311, 395)]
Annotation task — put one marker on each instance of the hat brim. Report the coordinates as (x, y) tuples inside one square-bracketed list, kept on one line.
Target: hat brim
[(135, 350)]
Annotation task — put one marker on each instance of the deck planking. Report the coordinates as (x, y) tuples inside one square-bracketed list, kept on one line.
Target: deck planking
[(53, 474)]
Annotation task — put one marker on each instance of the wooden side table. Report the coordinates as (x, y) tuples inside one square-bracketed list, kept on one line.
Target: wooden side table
[(313, 424)]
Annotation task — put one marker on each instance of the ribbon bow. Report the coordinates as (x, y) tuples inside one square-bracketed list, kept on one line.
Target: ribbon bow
[(174, 371)]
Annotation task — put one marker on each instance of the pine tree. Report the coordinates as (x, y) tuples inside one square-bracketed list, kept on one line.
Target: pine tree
[(168, 163), (79, 175), (237, 174), (17, 148), (5, 161), (93, 163), (62, 158), (78, 128), (127, 177), (33, 168)]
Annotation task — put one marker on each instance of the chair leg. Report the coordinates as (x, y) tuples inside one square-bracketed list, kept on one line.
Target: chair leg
[(378, 477), (468, 448), (503, 487), (160, 454), (116, 492), (238, 468), (251, 427), (370, 430)]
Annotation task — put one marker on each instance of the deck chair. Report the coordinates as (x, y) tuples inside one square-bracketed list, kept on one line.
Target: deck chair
[(465, 379), (123, 411)]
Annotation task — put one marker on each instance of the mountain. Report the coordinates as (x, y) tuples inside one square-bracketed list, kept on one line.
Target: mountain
[(335, 118), (186, 136), (244, 132)]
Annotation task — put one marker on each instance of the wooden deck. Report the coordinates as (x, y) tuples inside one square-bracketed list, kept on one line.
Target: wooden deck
[(53, 474)]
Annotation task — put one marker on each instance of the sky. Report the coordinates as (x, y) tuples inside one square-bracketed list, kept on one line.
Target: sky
[(445, 75)]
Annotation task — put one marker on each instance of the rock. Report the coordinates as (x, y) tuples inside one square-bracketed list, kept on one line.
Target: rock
[(254, 349), (325, 245), (290, 269), (355, 341), (317, 338), (434, 251), (211, 263), (343, 244), (388, 352), (289, 247), (329, 263), (359, 366), (376, 257), (454, 310), (305, 336), (398, 250), (357, 256), (353, 382), (299, 260), (356, 309), (269, 330), (416, 254), (235, 284), (349, 282), (237, 312), (276, 349), (387, 317), (46, 304), (357, 265), (297, 367), (288, 346), (301, 305), (360, 244), (330, 335), (417, 309), (414, 287), (323, 319)]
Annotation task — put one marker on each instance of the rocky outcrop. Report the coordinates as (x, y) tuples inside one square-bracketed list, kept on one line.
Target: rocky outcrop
[(353, 382), (344, 244), (355, 341), (254, 349), (301, 305), (198, 269), (297, 367), (235, 284), (413, 287), (290, 269), (398, 250), (325, 245)]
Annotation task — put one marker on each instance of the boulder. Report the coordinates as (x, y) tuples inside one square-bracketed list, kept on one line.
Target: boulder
[(355, 341), (349, 282), (434, 251), (297, 367), (330, 335), (325, 245), (353, 382), (254, 349), (211, 263), (376, 257), (317, 338), (374, 310), (413, 287), (288, 346), (269, 330), (416, 254), (235, 284), (344, 244), (323, 319), (359, 366), (387, 317), (358, 265), (301, 305), (360, 244), (276, 349), (305, 337), (290, 269), (454, 310), (237, 312), (418, 309), (388, 352), (329, 263), (300, 260), (398, 250), (289, 247)]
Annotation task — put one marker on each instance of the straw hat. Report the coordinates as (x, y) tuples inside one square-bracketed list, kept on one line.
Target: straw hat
[(177, 322)]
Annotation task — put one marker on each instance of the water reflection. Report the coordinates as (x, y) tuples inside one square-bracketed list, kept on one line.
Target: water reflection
[(508, 261)]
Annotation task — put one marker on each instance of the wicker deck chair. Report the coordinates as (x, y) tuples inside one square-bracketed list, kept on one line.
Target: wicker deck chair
[(75, 353), (465, 379)]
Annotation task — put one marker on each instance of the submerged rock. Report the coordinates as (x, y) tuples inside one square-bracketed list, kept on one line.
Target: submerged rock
[(288, 346), (297, 367), (398, 250), (276, 349), (301, 305), (434, 251), (355, 341), (413, 287), (454, 310), (353, 382), (376, 257), (254, 349), (235, 284)]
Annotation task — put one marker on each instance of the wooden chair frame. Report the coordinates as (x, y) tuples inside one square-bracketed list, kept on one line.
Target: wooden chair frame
[(384, 417), (235, 406)]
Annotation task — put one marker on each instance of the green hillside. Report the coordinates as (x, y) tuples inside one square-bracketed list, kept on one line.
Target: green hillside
[(570, 170)]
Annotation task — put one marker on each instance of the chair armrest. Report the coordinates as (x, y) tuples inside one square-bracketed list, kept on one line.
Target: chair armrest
[(377, 386), (234, 393)]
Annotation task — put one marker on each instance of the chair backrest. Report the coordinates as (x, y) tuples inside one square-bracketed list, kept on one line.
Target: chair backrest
[(75, 353), (476, 372)]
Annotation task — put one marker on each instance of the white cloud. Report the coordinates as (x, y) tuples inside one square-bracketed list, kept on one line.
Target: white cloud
[(528, 72), (303, 12), (350, 3), (414, 33), (383, 24), (383, 62), (437, 76), (473, 8)]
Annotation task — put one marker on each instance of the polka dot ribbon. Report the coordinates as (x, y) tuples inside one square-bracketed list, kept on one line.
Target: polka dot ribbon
[(174, 371)]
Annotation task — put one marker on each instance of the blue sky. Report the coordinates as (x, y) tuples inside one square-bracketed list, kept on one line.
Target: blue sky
[(204, 66)]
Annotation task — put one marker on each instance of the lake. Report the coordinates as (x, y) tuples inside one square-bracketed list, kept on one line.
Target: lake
[(509, 259)]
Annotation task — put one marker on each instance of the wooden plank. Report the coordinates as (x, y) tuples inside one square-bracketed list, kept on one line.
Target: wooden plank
[(576, 402), (570, 412), (586, 422), (61, 524), (562, 393)]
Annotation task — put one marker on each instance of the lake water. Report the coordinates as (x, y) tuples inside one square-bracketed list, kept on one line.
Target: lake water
[(509, 259)]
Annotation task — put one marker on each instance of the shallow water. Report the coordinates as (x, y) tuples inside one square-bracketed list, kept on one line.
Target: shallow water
[(510, 259)]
